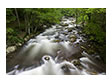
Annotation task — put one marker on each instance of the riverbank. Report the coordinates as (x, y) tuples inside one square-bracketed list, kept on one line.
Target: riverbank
[(65, 40)]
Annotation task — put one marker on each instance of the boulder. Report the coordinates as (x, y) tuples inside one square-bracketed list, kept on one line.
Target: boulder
[(73, 22), (70, 29), (64, 24), (76, 62), (26, 38), (94, 73), (11, 49), (56, 40), (45, 26), (72, 38), (18, 44), (65, 33)]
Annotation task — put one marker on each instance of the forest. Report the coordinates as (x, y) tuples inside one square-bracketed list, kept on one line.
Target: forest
[(22, 24)]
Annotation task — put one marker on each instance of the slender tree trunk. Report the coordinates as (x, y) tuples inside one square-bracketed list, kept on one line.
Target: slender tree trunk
[(35, 30), (29, 30), (26, 26), (17, 17)]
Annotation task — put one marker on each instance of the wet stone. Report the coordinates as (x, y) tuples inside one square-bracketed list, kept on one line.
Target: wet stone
[(73, 22), (65, 32), (70, 30), (80, 41), (76, 62), (64, 24), (56, 40), (72, 38), (94, 73)]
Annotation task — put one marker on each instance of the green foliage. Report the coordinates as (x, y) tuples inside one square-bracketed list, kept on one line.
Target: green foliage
[(94, 19), (86, 18), (32, 20), (95, 23), (10, 16), (9, 31), (12, 37), (69, 12)]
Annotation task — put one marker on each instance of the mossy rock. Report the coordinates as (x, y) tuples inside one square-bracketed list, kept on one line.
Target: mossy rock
[(64, 24), (56, 40), (94, 73), (70, 29), (73, 22), (72, 38), (76, 62), (66, 27), (26, 38), (80, 32), (65, 33)]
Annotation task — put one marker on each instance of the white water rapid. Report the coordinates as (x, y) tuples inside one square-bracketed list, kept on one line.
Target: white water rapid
[(56, 51)]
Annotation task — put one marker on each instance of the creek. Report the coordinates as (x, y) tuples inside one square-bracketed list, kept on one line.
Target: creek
[(64, 41)]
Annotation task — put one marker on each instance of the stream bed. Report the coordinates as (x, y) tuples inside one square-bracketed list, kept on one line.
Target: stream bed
[(65, 47)]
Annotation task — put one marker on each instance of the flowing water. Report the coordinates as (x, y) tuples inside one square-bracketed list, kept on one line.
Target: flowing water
[(62, 43)]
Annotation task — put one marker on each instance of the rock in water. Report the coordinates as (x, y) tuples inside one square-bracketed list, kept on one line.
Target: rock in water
[(50, 67), (72, 38), (64, 24), (76, 62)]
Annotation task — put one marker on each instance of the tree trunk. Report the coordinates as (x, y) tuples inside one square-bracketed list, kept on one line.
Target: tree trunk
[(35, 30), (17, 17), (29, 31), (26, 24)]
